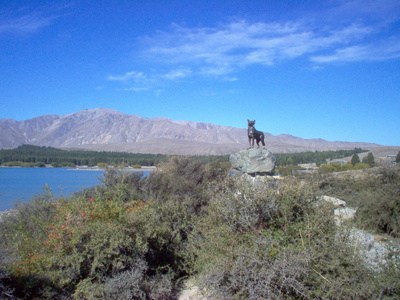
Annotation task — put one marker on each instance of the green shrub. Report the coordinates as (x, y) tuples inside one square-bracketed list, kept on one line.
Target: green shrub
[(178, 196), (287, 170), (121, 185), (361, 166), (240, 206), (126, 284), (327, 168), (337, 167), (257, 270), (67, 165), (336, 271), (259, 243), (22, 235), (102, 165), (346, 167), (379, 210), (12, 164)]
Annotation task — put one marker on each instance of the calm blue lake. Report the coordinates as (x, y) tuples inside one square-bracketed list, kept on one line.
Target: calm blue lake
[(21, 184)]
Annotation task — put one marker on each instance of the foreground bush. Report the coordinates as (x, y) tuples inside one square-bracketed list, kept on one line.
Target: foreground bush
[(85, 241), (258, 243)]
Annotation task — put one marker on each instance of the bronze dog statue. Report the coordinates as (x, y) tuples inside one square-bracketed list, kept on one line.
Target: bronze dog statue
[(254, 135)]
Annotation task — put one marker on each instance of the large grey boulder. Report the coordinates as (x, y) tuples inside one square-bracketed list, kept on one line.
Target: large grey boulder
[(373, 252), (253, 161)]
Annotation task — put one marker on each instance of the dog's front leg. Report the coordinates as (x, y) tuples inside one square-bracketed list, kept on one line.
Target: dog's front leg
[(250, 141)]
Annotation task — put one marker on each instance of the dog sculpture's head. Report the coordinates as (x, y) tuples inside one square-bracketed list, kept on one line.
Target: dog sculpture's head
[(251, 123)]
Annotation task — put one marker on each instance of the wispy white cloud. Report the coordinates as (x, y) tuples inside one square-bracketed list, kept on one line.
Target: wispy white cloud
[(383, 11), (133, 75), (231, 44), (388, 50), (133, 80), (352, 53), (135, 89), (224, 49), (25, 24), (228, 47), (139, 81), (179, 73), (349, 35)]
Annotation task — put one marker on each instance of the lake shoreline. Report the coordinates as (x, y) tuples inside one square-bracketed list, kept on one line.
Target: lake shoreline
[(19, 184), (86, 168)]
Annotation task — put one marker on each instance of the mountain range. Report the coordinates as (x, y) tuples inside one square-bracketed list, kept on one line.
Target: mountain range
[(109, 130)]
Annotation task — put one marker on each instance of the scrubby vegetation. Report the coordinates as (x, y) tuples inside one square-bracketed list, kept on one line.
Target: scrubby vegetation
[(376, 194), (337, 167), (317, 157), (139, 237)]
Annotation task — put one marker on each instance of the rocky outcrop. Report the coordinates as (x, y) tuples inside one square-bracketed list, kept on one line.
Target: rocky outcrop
[(343, 214), (373, 251), (253, 161)]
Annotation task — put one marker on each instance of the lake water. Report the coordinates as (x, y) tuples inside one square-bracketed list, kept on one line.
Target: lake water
[(21, 184)]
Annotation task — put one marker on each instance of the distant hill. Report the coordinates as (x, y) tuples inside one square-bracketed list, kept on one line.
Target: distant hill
[(108, 130)]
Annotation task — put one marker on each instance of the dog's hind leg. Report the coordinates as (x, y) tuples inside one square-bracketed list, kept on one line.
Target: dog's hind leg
[(262, 137)]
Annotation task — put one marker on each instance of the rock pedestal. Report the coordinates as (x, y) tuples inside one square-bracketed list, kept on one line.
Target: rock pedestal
[(254, 161)]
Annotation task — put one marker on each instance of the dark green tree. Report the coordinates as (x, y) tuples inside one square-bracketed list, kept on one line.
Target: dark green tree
[(398, 157), (369, 159), (355, 159)]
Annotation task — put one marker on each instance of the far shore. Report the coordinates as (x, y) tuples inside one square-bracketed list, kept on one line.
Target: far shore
[(85, 168)]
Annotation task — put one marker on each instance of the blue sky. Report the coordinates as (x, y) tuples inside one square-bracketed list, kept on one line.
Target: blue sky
[(314, 69)]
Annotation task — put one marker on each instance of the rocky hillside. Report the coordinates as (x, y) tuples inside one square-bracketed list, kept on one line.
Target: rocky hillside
[(109, 130)]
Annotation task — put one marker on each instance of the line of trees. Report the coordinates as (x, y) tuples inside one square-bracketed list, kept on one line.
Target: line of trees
[(50, 155), (30, 155)]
